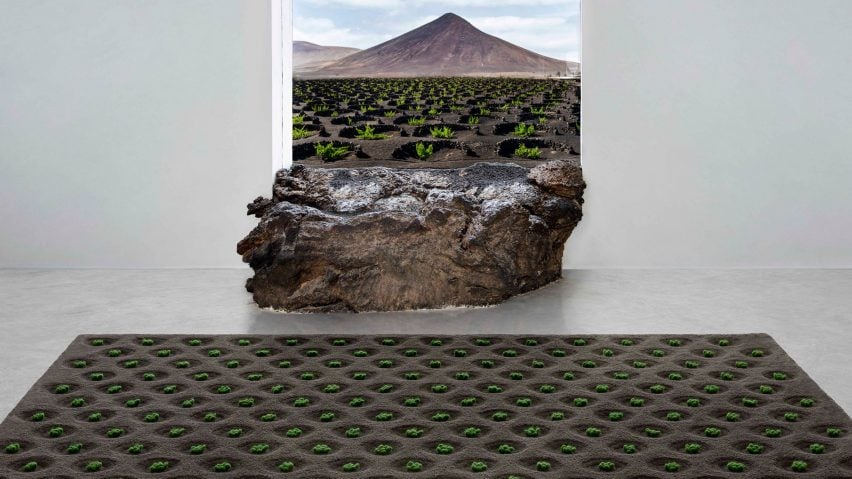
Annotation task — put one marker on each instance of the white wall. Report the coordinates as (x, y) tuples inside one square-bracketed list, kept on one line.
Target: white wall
[(716, 134), (132, 134)]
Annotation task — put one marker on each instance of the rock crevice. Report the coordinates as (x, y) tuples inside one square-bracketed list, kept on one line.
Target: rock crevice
[(384, 239)]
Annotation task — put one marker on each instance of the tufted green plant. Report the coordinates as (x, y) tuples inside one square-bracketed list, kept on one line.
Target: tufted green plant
[(673, 416), (383, 449), (384, 416), (499, 416), (444, 448), (657, 388), (260, 448), (158, 466), (321, 449)]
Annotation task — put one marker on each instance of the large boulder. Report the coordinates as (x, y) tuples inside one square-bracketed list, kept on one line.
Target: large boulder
[(384, 239)]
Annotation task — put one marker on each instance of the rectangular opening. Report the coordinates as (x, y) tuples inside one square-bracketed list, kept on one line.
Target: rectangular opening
[(426, 84)]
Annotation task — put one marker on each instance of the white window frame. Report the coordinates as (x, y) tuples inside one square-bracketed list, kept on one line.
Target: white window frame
[(282, 73)]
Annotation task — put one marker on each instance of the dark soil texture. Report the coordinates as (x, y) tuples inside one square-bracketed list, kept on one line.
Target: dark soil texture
[(483, 117), (425, 407)]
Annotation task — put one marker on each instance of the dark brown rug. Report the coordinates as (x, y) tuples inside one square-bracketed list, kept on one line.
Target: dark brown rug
[(450, 407)]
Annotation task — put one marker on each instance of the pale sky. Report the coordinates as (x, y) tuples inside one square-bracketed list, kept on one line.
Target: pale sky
[(548, 27)]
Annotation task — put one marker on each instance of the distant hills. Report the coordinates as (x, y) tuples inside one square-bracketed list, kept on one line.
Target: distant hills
[(447, 46), (309, 56)]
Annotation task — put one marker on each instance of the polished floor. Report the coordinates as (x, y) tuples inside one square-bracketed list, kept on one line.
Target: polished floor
[(808, 312)]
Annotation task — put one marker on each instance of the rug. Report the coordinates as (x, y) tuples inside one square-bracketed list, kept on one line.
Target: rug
[(414, 406)]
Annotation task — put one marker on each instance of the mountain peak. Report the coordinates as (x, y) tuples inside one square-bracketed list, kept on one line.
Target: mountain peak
[(451, 18)]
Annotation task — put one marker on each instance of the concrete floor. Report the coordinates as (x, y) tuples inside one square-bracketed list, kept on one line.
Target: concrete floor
[(804, 310)]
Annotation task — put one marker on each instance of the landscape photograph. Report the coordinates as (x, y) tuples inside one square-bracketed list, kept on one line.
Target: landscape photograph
[(437, 84)]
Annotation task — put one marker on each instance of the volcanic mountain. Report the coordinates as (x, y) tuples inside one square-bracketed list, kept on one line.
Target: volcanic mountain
[(309, 56), (447, 46)]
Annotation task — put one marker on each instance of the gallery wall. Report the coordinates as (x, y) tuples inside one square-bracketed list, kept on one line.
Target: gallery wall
[(715, 134), (132, 134)]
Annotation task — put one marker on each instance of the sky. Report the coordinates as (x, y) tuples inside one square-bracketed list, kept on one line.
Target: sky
[(548, 27)]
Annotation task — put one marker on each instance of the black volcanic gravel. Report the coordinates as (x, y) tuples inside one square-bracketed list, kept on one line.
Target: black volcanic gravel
[(334, 110)]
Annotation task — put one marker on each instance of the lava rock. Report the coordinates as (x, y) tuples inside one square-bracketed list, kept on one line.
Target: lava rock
[(385, 239)]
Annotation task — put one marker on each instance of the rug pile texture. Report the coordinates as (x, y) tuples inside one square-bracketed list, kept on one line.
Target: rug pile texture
[(426, 406)]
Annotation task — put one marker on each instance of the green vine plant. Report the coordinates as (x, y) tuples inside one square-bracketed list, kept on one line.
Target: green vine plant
[(424, 151), (330, 152), (442, 132), (523, 130), (301, 132), (369, 133), (530, 153)]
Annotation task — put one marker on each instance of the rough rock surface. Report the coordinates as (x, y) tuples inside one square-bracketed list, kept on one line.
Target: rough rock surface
[(384, 239)]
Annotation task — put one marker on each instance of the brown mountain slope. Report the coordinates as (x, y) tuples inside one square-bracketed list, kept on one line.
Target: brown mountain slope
[(310, 56), (447, 46)]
